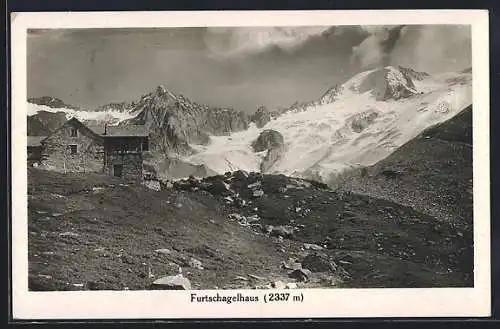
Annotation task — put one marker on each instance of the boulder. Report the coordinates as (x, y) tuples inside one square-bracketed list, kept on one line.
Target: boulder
[(284, 231), (267, 229), (317, 263), (237, 217), (164, 251), (255, 185), (312, 246), (240, 175), (292, 265), (194, 263), (218, 187), (174, 282), (258, 193), (300, 274), (278, 285)]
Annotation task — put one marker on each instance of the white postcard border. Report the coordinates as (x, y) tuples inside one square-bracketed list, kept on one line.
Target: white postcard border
[(454, 302)]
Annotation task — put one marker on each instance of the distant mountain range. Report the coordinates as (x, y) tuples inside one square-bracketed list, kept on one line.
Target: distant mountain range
[(353, 124)]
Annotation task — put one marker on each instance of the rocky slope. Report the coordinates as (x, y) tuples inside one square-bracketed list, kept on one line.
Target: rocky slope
[(432, 173), (44, 123), (116, 106), (239, 230), (175, 122), (51, 102)]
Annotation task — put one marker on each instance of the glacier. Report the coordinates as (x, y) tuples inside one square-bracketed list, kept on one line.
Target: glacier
[(368, 118)]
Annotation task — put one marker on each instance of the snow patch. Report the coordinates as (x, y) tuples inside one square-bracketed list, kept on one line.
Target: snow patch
[(109, 116)]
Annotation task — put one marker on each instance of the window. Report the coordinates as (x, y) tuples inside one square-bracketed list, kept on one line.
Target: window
[(73, 149), (73, 132), (145, 145), (117, 170)]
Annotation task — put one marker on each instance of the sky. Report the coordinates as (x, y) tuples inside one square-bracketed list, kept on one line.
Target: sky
[(241, 67)]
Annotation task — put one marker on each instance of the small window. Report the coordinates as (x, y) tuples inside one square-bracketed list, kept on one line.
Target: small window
[(117, 170), (73, 149), (74, 132)]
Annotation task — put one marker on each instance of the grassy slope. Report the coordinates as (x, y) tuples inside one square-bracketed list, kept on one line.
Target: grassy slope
[(379, 243)]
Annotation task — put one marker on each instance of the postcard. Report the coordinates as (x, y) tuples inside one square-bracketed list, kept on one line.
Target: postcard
[(231, 164)]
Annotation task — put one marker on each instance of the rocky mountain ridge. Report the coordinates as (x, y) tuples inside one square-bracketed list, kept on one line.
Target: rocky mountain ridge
[(372, 112)]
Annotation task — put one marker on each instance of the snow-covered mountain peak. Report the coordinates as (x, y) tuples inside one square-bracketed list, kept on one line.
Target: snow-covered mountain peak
[(355, 124), (387, 83)]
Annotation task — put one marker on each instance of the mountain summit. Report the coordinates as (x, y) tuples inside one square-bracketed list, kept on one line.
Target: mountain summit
[(175, 122), (354, 124)]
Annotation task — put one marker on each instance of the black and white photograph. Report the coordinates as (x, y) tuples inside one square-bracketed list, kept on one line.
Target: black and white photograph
[(251, 158)]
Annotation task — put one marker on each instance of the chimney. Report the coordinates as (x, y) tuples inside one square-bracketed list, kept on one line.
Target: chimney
[(105, 128)]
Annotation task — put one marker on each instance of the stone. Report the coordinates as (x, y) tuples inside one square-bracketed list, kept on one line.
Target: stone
[(253, 276), (284, 231), (300, 274), (44, 276), (291, 285), (291, 265), (70, 234), (228, 200), (258, 193), (254, 185), (312, 246), (173, 282), (240, 175), (317, 263), (268, 229), (278, 285), (253, 218), (97, 190), (194, 263), (237, 217), (164, 251), (266, 286), (217, 187)]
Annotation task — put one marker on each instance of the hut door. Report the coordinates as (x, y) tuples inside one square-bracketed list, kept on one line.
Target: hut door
[(117, 170)]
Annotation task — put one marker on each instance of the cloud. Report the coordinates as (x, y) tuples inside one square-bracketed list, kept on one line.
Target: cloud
[(375, 49), (235, 41), (434, 48), (431, 48)]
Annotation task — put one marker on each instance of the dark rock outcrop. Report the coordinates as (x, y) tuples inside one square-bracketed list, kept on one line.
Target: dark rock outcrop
[(261, 117), (274, 143), (51, 102), (331, 94), (268, 139), (116, 106), (44, 123), (175, 122)]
